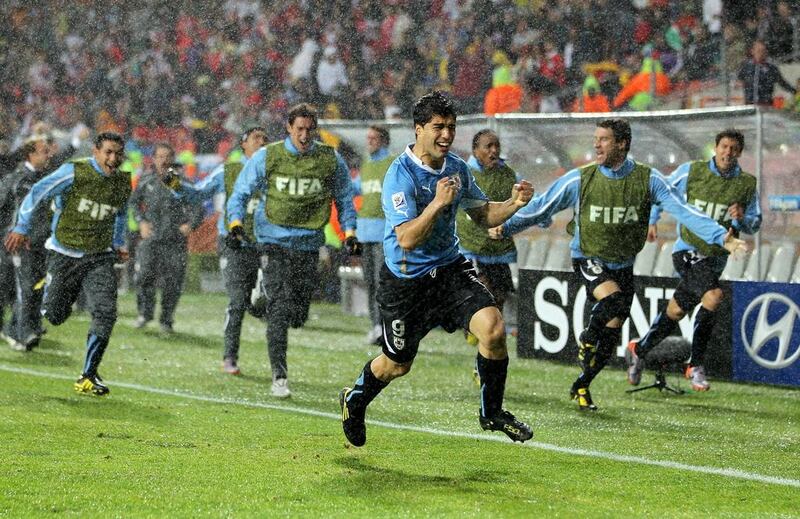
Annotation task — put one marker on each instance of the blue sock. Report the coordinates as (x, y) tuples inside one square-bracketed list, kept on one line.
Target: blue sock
[(365, 389), (95, 347)]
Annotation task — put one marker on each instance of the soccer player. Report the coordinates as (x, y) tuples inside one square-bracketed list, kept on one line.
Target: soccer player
[(425, 281), (299, 177), (489, 257), (239, 260), (370, 220), (723, 191), (612, 199), (89, 222)]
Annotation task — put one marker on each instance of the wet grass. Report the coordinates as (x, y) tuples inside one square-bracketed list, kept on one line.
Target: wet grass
[(177, 437)]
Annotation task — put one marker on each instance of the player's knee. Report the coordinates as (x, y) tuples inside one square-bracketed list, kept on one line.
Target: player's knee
[(488, 326), (494, 337), (675, 312), (386, 369), (713, 298), (616, 306)]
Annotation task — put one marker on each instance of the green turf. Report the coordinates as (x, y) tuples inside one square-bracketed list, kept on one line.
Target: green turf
[(209, 444)]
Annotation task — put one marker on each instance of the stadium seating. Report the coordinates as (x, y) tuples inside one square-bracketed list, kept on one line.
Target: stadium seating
[(523, 244), (537, 252), (780, 270), (646, 259), (734, 269), (796, 274), (663, 266), (558, 257), (759, 257)]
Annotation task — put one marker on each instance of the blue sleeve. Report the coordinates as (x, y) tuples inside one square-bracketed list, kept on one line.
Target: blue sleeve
[(356, 185), (678, 180), (751, 222), (343, 195), (398, 196), (50, 186), (672, 201), (250, 180), (208, 187), (120, 226), (473, 195), (562, 194)]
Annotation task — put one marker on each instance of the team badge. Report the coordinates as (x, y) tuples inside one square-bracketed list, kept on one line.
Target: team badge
[(399, 200)]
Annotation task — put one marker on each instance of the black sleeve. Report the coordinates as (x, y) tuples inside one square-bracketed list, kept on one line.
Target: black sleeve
[(782, 81), (61, 157)]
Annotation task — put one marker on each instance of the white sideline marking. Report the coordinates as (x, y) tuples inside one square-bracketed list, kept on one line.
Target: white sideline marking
[(730, 473)]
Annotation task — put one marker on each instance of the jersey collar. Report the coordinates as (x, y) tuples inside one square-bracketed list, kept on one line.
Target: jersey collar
[(418, 162), (712, 165)]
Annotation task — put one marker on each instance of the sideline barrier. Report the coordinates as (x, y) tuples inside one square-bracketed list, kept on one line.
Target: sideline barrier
[(756, 336)]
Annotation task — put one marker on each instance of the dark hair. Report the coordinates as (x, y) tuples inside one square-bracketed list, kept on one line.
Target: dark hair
[(302, 110), (383, 133), (731, 133), (29, 147), (250, 130), (620, 128), (433, 103), (108, 136), (477, 137)]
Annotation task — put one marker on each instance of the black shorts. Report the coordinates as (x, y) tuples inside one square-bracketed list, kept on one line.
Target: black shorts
[(593, 273), (699, 274), (448, 297), (496, 277)]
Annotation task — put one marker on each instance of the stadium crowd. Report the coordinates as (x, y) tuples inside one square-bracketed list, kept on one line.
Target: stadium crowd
[(195, 73)]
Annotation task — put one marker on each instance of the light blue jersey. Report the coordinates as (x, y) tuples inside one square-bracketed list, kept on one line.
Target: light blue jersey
[(564, 193), (252, 178), (408, 188), (55, 187), (678, 180)]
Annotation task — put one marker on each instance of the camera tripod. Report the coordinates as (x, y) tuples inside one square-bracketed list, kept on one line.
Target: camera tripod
[(660, 383)]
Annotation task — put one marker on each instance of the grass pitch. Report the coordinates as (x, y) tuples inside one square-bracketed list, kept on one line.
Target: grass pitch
[(178, 438)]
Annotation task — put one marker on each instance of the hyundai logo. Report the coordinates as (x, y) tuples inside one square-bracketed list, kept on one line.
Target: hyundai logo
[(763, 332)]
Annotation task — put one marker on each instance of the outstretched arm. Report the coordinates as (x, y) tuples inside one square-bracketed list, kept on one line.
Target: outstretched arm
[(209, 186), (563, 193), (493, 214), (45, 189)]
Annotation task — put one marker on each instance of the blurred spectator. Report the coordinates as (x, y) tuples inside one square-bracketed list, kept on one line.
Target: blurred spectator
[(701, 55), (781, 31), (735, 48), (471, 79), (593, 99), (637, 93), (712, 16), (331, 74), (759, 76), (211, 67)]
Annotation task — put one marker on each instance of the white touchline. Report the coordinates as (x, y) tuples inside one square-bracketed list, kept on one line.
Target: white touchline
[(731, 473)]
